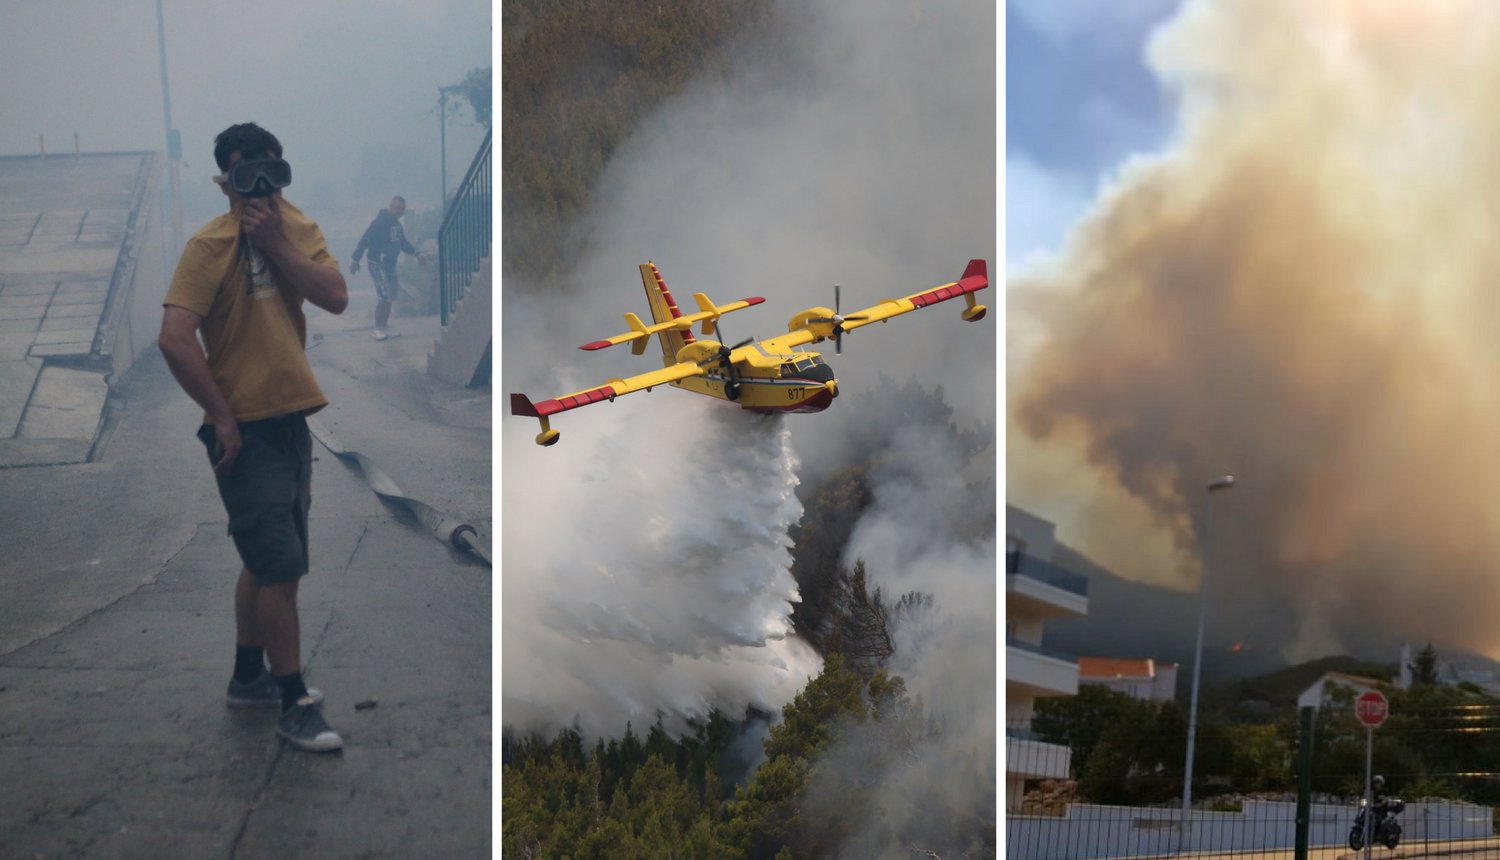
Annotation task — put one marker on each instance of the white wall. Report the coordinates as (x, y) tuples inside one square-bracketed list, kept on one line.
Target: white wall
[(140, 319), (1036, 533), (1161, 688), (1164, 687)]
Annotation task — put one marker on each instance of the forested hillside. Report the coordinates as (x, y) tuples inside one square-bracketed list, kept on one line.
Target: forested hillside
[(665, 798), (577, 75)]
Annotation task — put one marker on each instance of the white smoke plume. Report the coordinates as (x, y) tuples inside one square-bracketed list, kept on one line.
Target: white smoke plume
[(669, 593), (1298, 291), (650, 577), (926, 531)]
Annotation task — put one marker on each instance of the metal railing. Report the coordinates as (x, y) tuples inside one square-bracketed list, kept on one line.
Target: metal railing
[(1021, 564), (464, 239), (1012, 642), (1118, 794)]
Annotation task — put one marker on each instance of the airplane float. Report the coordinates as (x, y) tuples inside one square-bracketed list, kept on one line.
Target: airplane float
[(772, 375)]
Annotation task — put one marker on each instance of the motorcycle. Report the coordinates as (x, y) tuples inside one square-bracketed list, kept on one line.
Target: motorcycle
[(1387, 828)]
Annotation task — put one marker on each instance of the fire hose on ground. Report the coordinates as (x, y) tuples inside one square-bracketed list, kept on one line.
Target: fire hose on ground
[(453, 532)]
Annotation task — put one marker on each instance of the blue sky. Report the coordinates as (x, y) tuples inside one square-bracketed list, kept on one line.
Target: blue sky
[(1079, 99)]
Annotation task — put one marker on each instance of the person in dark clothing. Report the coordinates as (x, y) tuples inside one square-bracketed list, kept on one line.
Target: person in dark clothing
[(385, 240)]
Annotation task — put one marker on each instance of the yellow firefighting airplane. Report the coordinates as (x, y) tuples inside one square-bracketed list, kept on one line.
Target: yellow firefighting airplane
[(764, 376)]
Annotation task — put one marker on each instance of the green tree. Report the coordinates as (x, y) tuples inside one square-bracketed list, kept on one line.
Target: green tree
[(808, 722), (815, 796), (1424, 667), (1079, 722), (476, 91), (829, 515)]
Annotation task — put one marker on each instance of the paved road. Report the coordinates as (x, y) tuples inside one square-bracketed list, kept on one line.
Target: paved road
[(116, 635)]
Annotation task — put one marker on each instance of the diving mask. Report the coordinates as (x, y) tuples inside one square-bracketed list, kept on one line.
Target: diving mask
[(257, 177)]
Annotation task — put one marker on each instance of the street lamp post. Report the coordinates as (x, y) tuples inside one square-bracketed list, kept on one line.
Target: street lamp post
[(443, 93), (1223, 482), (174, 138)]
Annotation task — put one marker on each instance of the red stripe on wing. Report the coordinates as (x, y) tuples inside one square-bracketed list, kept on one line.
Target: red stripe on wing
[(573, 401), (967, 285)]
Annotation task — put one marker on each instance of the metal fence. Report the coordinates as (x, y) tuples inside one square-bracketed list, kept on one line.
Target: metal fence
[(1082, 787), (464, 239)]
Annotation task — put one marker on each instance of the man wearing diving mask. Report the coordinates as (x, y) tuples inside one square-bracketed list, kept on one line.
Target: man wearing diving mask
[(242, 281)]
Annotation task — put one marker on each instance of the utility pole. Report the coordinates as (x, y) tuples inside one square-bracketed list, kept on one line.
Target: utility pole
[(443, 136), (174, 138)]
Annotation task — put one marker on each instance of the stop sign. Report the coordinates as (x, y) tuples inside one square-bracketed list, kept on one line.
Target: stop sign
[(1371, 708)]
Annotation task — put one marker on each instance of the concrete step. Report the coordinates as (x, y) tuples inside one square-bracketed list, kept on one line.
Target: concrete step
[(458, 357)]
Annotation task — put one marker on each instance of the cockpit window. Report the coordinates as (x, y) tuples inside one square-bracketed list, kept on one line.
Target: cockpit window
[(802, 365)]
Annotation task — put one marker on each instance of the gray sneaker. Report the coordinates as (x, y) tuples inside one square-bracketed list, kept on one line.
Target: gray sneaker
[(304, 726), (263, 692)]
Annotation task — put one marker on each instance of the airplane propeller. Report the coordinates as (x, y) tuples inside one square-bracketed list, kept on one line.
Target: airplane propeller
[(838, 323), (732, 387)]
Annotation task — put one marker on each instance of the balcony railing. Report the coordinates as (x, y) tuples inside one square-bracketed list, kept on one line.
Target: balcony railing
[(464, 239), (1021, 730), (1011, 642), (1021, 564)]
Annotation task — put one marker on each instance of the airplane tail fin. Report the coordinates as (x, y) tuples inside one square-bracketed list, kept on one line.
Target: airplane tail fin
[(976, 269), (520, 404), (664, 309), (976, 277)]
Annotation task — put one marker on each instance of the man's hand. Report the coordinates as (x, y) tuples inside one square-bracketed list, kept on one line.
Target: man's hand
[(354, 268), (227, 435), (424, 258), (322, 285), (261, 222), (179, 346)]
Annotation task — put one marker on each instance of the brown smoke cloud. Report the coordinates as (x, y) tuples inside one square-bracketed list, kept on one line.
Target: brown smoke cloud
[(1301, 291)]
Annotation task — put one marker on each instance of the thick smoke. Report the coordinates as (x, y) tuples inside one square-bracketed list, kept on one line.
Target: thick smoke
[(862, 154), (930, 529), (1299, 292), (646, 572)]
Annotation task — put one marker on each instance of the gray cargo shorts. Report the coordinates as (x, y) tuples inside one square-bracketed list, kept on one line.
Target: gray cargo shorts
[(267, 495), (387, 285)]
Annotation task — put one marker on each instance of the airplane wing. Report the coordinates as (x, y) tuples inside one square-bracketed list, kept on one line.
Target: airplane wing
[(640, 332), (520, 405), (784, 343), (975, 278)]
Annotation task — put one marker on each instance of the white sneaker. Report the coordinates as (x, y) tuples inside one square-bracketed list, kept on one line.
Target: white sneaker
[(379, 334)]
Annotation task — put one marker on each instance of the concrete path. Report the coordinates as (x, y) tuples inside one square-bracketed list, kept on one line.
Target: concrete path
[(116, 636), (74, 232)]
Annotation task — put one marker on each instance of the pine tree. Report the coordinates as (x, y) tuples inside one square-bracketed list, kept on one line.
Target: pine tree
[(1424, 671)]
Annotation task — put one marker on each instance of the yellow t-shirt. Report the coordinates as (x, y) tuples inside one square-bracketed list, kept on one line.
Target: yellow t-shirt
[(253, 327)]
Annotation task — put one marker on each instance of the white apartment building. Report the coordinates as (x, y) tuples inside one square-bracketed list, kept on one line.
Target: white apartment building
[(1035, 590)]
